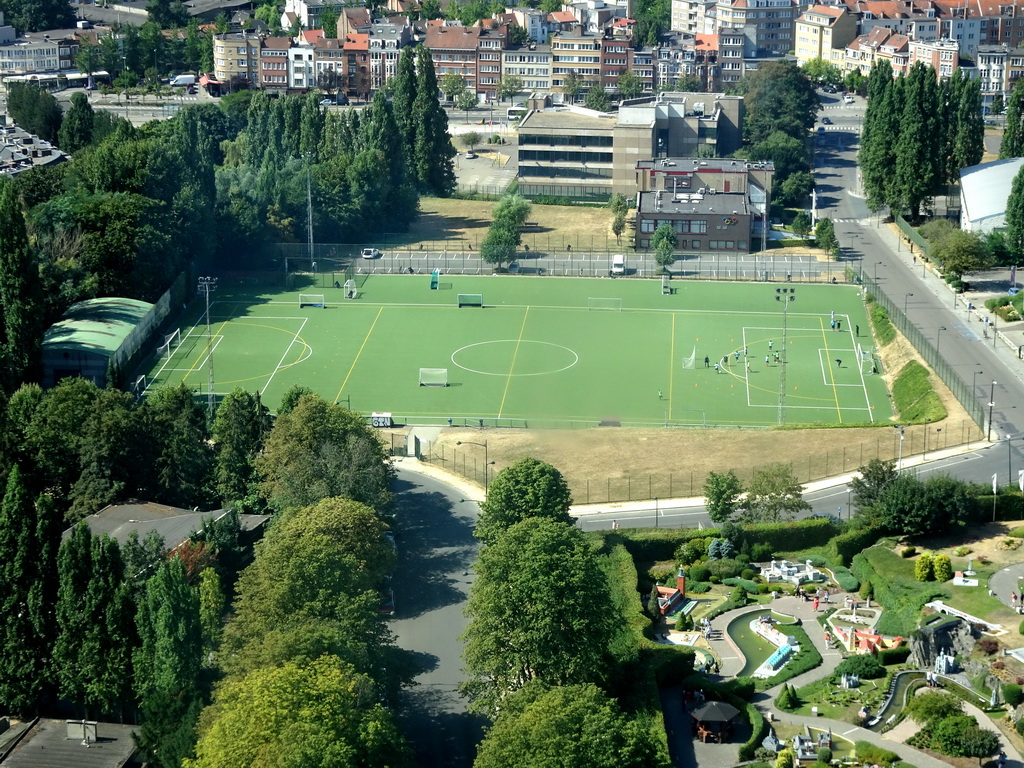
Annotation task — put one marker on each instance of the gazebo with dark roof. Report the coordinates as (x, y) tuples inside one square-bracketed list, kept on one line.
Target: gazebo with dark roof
[(713, 721)]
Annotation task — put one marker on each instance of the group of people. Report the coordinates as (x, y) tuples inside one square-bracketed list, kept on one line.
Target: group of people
[(932, 679)]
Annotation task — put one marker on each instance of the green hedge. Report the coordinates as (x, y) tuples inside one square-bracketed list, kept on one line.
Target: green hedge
[(846, 580), (900, 598), (1009, 506), (759, 731), (842, 548), (885, 331), (913, 396), (894, 655), (653, 544), (748, 586), (869, 753), (807, 659)]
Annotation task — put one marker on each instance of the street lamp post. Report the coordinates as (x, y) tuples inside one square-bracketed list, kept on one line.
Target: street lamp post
[(876, 270), (974, 382), (486, 462), (938, 337), (655, 511), (991, 405), (206, 285), (905, 301), (899, 461), (786, 296)]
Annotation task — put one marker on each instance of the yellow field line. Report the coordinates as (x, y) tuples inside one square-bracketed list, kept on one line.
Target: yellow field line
[(671, 364), (356, 360), (512, 367), (828, 365), (209, 345)]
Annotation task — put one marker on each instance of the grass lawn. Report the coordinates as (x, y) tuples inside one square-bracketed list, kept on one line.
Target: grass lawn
[(837, 703), (538, 355)]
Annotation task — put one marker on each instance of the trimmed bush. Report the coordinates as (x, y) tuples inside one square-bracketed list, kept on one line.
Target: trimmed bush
[(908, 552), (1019, 725), (988, 645), (759, 730), (762, 553), (748, 586), (869, 753), (726, 568), (894, 655), (846, 580), (942, 568), (924, 569), (1018, 532), (842, 549), (1020, 629), (746, 573), (865, 667), (884, 329), (1013, 694), (697, 587), (825, 755), (698, 573)]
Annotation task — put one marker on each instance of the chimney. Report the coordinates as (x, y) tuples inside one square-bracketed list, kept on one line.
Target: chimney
[(681, 582)]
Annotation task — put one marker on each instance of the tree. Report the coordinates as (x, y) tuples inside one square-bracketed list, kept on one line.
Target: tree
[(932, 706), (722, 495), (509, 86), (823, 72), (778, 97), (870, 483), (572, 85), (522, 627), (997, 106), (773, 495), (630, 85), (923, 568), (76, 129), (469, 139), (27, 16), (528, 488), (855, 82), (597, 99), (317, 715), (961, 252), (960, 736), (969, 135), (212, 602), (20, 298), (183, 458), (465, 101), (795, 189), (1012, 144), (916, 174), (1015, 216), (433, 153), (619, 225), (942, 568), (579, 723), (329, 20), (239, 428), (801, 224), (825, 235), (88, 59), (452, 84), (664, 242), (318, 450), (270, 15), (684, 84)]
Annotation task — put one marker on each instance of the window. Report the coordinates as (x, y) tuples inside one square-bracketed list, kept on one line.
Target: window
[(695, 245)]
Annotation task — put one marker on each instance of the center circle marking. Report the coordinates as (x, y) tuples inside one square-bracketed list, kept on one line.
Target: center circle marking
[(521, 343)]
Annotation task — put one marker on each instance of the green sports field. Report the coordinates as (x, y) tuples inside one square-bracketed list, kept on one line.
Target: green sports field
[(539, 353)]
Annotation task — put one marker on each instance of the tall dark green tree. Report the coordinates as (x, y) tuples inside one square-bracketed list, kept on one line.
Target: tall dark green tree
[(1015, 216), (21, 302), (110, 633), (969, 135), (76, 129), (879, 135), (183, 458), (241, 424), (73, 663), (778, 97), (528, 488), (916, 175), (1013, 133), (433, 152), (403, 98), (24, 644), (36, 15)]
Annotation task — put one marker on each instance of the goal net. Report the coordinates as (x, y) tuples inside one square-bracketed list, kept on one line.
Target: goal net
[(139, 387), (171, 342), (351, 292), (867, 360), (690, 363), (666, 286), (433, 377), (614, 305), (471, 299), (311, 300)]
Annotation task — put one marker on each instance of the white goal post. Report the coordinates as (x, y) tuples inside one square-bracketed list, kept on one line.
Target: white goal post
[(867, 359), (351, 291), (690, 363), (171, 342), (433, 377), (614, 305), (311, 300), (139, 386)]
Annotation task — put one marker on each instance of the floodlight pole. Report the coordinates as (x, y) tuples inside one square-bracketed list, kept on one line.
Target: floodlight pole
[(206, 285), (785, 295), (991, 405), (899, 461)]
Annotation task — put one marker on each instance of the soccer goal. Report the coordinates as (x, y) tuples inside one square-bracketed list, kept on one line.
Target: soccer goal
[(171, 342), (666, 286), (614, 305), (433, 377), (471, 300), (351, 292), (435, 279), (690, 363), (311, 299), (139, 387), (867, 360)]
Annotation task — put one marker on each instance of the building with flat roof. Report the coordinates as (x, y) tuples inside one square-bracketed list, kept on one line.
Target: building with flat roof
[(586, 155), (984, 190), (44, 743), (713, 205)]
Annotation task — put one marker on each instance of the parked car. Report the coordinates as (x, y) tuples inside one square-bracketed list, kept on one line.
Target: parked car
[(826, 121), (370, 253), (326, 102), (829, 89), (513, 267), (821, 129), (470, 155)]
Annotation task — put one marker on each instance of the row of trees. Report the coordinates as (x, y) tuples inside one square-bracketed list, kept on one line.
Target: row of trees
[(146, 52), (918, 133), (545, 633), (773, 495)]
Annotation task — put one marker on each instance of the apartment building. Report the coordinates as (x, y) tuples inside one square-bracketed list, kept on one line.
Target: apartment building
[(236, 55), (274, 64), (999, 67), (52, 51), (823, 32), (385, 43), (475, 53), (587, 155), (693, 16), (768, 24), (941, 55), (713, 206), (356, 66), (530, 63), (576, 52)]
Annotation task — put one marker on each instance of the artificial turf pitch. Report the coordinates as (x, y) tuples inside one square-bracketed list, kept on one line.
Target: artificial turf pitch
[(537, 354)]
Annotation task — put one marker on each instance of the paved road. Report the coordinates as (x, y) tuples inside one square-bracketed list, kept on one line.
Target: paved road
[(436, 550)]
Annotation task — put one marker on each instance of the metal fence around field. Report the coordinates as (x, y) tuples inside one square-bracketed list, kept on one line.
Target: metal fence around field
[(946, 371)]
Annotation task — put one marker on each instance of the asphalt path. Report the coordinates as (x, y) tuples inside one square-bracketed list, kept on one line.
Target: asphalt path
[(436, 549)]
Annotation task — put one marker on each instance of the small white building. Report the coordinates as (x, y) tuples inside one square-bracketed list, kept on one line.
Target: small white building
[(984, 190), (795, 573)]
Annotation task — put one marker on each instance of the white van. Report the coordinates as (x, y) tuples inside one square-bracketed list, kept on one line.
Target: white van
[(618, 265), (848, 98), (180, 81)]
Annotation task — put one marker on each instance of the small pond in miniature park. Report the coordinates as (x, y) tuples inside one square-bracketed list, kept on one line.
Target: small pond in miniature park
[(755, 649)]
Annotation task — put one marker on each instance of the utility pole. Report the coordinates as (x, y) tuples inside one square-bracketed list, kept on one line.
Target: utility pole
[(206, 285)]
